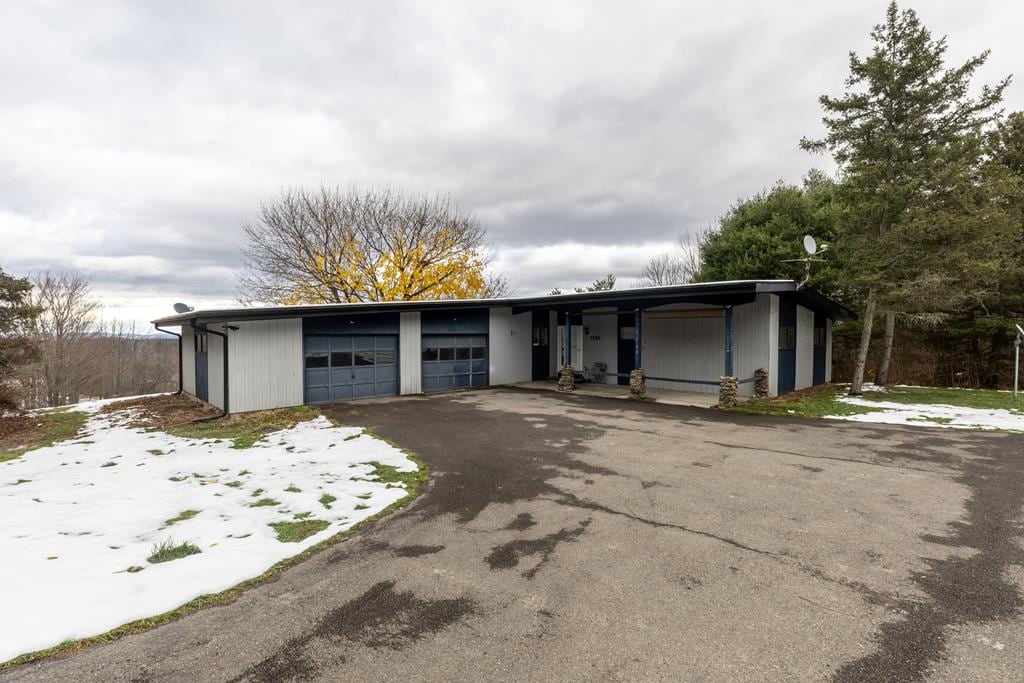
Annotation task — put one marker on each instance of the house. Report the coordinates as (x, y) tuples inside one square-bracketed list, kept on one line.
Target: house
[(685, 337)]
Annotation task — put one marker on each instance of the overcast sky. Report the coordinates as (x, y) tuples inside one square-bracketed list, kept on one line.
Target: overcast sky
[(135, 136)]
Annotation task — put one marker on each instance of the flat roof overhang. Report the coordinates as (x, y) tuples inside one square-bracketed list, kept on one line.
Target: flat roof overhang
[(733, 293)]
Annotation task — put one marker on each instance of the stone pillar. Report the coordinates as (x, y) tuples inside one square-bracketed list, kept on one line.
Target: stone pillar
[(727, 390), (637, 383), (760, 384), (566, 379)]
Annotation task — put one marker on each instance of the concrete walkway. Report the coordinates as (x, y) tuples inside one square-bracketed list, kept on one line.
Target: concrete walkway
[(695, 399)]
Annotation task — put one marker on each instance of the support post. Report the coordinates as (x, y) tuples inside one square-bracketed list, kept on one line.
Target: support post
[(728, 341), (638, 340)]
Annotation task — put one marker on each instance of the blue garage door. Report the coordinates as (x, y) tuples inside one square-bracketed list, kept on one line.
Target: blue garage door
[(343, 367), (451, 361)]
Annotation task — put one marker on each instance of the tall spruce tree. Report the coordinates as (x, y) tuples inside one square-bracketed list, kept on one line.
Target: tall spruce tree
[(16, 313), (900, 126)]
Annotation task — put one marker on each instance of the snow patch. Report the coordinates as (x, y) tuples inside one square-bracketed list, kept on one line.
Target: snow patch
[(78, 514), (927, 415)]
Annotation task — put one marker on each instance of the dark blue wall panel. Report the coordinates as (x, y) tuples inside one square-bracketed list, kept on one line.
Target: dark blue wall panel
[(369, 323), (464, 321)]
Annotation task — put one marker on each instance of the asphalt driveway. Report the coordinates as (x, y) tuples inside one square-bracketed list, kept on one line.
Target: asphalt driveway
[(568, 538)]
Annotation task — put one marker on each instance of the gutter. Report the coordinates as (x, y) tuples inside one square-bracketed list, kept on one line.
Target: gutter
[(181, 383)]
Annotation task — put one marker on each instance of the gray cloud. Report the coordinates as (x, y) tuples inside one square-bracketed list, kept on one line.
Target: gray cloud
[(139, 135)]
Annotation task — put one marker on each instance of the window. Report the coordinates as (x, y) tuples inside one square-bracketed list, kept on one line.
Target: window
[(627, 333), (385, 357), (316, 360), (820, 336), (447, 354), (787, 337), (430, 353), (541, 336), (462, 354), (479, 352), (364, 358), (341, 359)]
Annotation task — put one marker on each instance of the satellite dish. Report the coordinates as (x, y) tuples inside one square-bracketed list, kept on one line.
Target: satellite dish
[(810, 246), (182, 308)]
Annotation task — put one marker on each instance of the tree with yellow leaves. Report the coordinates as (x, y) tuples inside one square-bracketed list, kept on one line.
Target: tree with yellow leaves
[(333, 246)]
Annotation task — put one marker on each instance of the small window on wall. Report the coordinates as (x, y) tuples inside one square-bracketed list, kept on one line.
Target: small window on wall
[(541, 336), (820, 336), (316, 360), (787, 337), (627, 333)]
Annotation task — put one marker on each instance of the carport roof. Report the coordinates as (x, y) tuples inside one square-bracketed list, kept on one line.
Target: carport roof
[(729, 293)]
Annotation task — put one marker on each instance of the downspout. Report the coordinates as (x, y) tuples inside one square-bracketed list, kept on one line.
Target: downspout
[(181, 383), (224, 336)]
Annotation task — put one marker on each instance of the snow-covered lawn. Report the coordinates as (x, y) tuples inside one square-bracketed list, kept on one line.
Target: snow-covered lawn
[(79, 519), (931, 415)]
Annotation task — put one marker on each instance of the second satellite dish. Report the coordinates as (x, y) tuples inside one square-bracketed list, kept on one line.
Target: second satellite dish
[(810, 246)]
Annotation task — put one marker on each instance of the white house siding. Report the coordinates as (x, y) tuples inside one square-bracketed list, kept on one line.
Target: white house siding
[(804, 347), (410, 368), (266, 365), (188, 360), (601, 343), (683, 348), (510, 353), (828, 349), (751, 339), (773, 345), (215, 368)]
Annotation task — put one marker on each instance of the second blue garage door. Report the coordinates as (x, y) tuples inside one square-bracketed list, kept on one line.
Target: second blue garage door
[(343, 367), (454, 360)]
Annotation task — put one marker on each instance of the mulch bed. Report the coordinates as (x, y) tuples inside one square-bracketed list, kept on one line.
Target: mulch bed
[(163, 412)]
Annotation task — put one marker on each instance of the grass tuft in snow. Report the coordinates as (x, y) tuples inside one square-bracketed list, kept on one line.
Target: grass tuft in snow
[(293, 532), (165, 551), (244, 431), (391, 475), (327, 499), (264, 502), (292, 488), (181, 517), (58, 426)]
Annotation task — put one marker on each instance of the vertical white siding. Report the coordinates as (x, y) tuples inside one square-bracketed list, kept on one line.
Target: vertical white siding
[(773, 346), (601, 343), (510, 354), (266, 365), (804, 347), (215, 368), (683, 348), (410, 368), (828, 349), (188, 360), (751, 339)]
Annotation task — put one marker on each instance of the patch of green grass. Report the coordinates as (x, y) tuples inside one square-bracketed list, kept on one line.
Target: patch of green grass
[(21, 481), (365, 496), (257, 493), (246, 430), (177, 478), (168, 550), (222, 598), (264, 503), (351, 436), (155, 451), (234, 484), (293, 532), (327, 499), (244, 472), (390, 475), (181, 517), (292, 488), (57, 426), (109, 463), (303, 515), (818, 401), (964, 398), (362, 507)]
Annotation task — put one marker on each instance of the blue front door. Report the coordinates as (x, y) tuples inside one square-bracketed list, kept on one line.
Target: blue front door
[(820, 344), (787, 346)]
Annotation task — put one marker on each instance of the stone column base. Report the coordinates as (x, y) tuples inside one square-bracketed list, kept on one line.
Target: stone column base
[(637, 383), (761, 384), (566, 379), (727, 390)]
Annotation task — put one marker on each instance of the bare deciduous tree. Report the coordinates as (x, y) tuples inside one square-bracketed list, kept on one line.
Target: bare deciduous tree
[(674, 268), (333, 246)]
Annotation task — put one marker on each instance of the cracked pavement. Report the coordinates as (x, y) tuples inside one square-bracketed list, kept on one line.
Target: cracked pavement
[(570, 537)]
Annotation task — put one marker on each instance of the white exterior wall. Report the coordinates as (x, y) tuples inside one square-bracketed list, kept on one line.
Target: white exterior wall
[(751, 340), (215, 368), (410, 368), (510, 354), (773, 346), (828, 349), (188, 360), (601, 343), (804, 347), (266, 365)]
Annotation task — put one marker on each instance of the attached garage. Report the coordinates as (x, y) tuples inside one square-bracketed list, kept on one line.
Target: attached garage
[(451, 361), (343, 367)]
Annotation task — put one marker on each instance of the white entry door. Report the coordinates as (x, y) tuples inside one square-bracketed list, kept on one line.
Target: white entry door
[(577, 346)]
